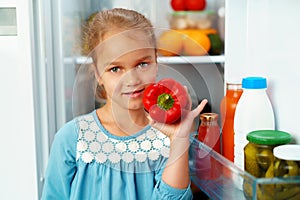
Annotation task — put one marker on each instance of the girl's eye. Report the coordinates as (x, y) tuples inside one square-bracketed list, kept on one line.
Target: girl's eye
[(143, 65), (114, 69)]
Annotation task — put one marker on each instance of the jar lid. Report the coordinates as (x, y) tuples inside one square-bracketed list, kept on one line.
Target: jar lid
[(233, 86), (254, 83), (209, 116), (269, 137), (287, 152)]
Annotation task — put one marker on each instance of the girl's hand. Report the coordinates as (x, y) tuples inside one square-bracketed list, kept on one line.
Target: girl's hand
[(183, 128), (176, 172)]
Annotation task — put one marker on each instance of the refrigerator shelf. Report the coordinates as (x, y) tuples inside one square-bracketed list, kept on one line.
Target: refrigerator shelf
[(220, 179), (164, 60), (191, 59)]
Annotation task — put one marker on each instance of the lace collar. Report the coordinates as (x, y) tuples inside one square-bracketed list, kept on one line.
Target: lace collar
[(96, 144)]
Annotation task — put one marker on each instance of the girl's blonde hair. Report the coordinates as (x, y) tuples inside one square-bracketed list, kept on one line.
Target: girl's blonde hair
[(117, 19), (120, 19)]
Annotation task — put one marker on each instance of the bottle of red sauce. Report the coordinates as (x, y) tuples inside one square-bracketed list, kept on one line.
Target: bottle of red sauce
[(227, 110), (209, 131)]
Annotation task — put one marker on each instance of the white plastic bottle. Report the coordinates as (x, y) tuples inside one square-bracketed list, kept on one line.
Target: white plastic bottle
[(253, 112)]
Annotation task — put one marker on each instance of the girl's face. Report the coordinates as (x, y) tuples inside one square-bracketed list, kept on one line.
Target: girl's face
[(125, 67)]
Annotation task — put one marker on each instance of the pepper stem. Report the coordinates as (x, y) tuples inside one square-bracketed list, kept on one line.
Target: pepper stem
[(165, 101)]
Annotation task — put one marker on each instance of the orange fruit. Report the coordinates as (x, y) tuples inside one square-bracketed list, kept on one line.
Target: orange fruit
[(205, 31), (170, 43), (208, 31), (196, 43)]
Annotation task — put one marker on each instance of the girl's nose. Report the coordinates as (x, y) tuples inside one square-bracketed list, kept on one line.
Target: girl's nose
[(132, 78)]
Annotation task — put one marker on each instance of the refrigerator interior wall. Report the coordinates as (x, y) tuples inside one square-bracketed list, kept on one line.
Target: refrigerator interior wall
[(262, 39)]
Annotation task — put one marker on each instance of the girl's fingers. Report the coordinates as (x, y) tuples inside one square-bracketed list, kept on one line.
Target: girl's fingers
[(183, 127), (199, 108)]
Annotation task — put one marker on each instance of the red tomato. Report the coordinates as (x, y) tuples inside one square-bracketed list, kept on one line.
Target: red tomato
[(178, 5), (195, 4)]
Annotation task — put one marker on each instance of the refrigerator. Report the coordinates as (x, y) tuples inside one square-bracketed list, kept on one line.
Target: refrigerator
[(59, 27), (261, 39)]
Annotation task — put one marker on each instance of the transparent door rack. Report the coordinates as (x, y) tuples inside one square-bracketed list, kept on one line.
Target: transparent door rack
[(220, 179)]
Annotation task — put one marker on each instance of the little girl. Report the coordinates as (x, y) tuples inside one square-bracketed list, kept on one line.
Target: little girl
[(117, 151)]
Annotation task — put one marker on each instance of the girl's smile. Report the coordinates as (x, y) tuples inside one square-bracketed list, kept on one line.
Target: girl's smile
[(134, 93)]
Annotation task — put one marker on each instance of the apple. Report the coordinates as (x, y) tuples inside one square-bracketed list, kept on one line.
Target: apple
[(195, 4), (178, 5)]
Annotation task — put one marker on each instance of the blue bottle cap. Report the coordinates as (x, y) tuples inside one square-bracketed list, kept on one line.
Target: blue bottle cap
[(254, 83)]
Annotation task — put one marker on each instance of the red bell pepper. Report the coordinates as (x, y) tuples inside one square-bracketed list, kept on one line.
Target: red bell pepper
[(165, 100)]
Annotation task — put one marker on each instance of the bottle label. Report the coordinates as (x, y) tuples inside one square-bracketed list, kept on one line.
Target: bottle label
[(240, 142)]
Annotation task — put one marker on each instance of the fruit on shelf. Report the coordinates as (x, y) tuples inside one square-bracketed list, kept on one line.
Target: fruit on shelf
[(189, 42), (196, 44), (217, 45), (195, 4), (170, 43), (178, 5)]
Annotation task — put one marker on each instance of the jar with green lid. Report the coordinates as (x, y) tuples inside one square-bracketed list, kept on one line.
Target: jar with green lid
[(258, 153), (259, 159)]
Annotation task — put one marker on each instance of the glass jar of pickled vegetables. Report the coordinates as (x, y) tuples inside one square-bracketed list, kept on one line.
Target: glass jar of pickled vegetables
[(287, 160), (258, 153), (287, 164)]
